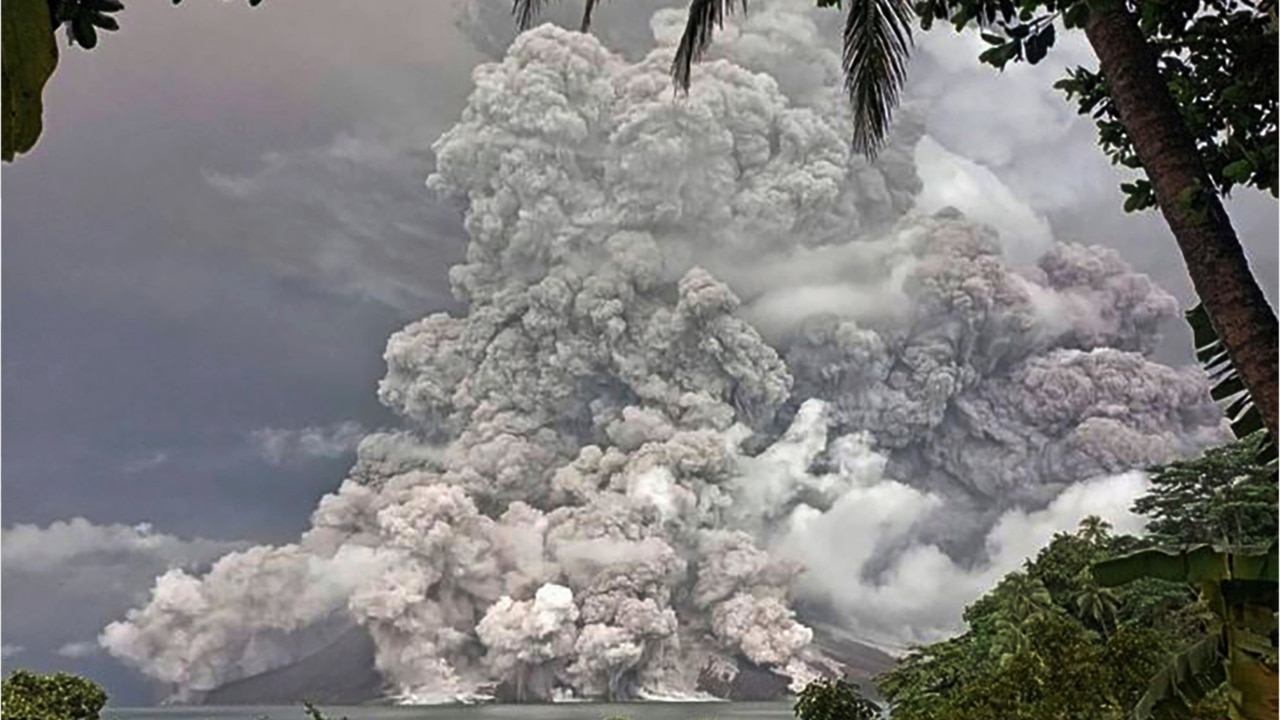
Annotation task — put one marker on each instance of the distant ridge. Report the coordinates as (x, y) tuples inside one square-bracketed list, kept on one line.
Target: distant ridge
[(343, 673)]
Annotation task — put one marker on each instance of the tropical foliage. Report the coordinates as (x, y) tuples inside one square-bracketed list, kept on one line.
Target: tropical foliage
[(25, 695), (1046, 642), (834, 699), (84, 18), (1218, 58), (1060, 639), (1238, 584), (1225, 496), (1228, 386), (29, 57), (877, 44), (30, 51)]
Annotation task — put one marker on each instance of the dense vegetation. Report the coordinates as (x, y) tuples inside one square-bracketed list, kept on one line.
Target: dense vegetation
[(1049, 641), (25, 695), (834, 699)]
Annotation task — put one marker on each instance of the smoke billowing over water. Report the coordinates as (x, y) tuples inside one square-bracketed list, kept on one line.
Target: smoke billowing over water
[(713, 367)]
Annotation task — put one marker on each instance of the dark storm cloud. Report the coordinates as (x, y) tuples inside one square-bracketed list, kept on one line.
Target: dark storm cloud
[(154, 321)]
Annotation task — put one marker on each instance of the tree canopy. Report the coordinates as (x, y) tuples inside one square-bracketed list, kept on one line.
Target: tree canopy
[(1051, 641), (834, 699), (1225, 496), (1219, 60), (25, 695)]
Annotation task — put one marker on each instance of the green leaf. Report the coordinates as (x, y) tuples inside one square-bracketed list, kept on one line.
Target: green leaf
[(30, 54), (1228, 386), (1256, 592), (1038, 45), (1190, 676), (1231, 386), (998, 57), (1255, 564), (1201, 563), (1076, 16), (1239, 171), (877, 45), (1196, 564)]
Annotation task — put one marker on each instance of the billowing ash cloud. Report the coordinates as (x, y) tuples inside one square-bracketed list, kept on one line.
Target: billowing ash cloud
[(712, 369), (99, 571)]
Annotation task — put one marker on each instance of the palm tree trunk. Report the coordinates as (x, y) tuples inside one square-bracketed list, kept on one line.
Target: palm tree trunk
[(1212, 253)]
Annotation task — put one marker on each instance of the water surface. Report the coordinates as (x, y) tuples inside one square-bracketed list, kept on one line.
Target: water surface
[(563, 711)]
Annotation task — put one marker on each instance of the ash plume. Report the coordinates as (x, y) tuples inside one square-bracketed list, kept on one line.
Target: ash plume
[(713, 367)]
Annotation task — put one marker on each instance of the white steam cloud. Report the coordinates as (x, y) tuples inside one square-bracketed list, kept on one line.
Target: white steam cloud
[(8, 651), (81, 649), (283, 446), (65, 545), (713, 369), (67, 579)]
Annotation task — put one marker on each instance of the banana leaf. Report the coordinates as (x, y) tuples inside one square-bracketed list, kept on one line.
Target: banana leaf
[(1189, 677), (1196, 564)]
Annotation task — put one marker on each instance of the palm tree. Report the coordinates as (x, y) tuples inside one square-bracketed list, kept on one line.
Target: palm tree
[(1096, 604), (526, 11), (1011, 642), (1094, 530), (877, 42), (1026, 597)]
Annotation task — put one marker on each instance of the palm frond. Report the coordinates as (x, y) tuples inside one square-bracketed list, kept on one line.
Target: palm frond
[(877, 45), (704, 17), (1228, 385), (586, 16), (525, 12)]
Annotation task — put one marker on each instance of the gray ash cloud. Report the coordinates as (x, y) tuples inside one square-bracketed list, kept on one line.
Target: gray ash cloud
[(711, 364)]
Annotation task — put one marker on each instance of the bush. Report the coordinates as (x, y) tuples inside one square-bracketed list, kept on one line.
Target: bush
[(25, 695), (837, 699)]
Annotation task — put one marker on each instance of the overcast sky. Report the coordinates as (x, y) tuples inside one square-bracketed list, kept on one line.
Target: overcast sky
[(226, 218)]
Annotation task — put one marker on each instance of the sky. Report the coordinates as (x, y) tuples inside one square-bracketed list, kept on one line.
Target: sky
[(226, 218)]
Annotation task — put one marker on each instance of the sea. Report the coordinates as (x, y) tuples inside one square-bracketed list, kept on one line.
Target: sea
[(558, 711)]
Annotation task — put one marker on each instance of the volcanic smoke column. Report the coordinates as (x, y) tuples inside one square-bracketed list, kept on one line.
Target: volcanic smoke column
[(711, 364)]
